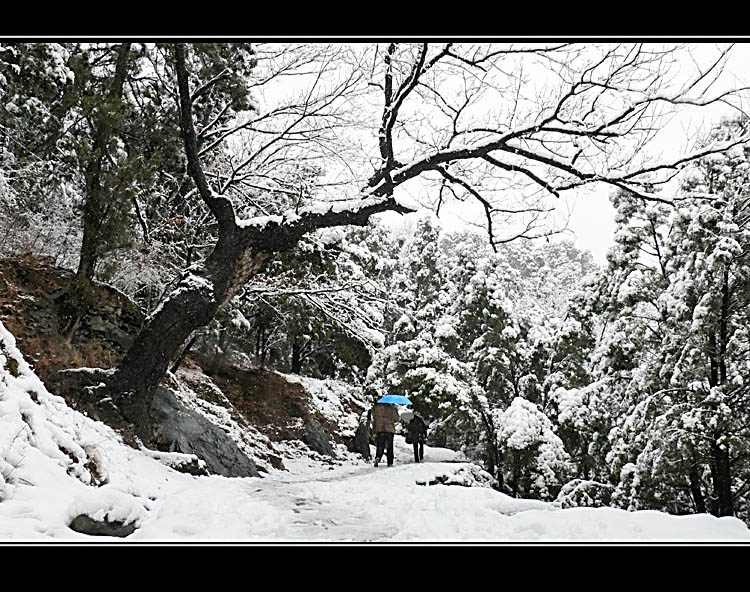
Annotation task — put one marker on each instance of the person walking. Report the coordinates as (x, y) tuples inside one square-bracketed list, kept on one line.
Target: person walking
[(384, 418), (417, 432)]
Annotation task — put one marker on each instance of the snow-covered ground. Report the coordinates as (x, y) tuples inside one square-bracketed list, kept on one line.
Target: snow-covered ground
[(56, 464)]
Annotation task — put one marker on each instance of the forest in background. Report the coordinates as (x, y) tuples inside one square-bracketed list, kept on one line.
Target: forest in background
[(621, 386)]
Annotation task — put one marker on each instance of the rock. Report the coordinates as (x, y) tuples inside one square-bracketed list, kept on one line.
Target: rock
[(174, 427), (110, 329), (13, 367), (276, 462), (316, 438), (96, 323), (83, 388), (469, 475), (184, 463), (179, 429), (87, 525)]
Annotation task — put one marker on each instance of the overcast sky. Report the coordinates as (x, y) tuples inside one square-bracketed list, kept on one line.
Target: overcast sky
[(592, 220)]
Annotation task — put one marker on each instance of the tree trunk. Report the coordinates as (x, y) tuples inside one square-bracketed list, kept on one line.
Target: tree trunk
[(240, 253), (296, 357), (183, 355), (261, 349), (98, 197), (192, 305), (494, 460), (500, 477), (721, 470), (696, 492), (721, 475), (724, 326), (516, 474), (78, 297)]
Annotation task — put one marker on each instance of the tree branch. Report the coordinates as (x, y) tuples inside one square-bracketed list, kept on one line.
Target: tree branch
[(220, 207)]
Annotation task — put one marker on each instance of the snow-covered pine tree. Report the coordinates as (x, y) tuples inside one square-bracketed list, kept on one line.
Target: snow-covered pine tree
[(707, 298), (671, 363)]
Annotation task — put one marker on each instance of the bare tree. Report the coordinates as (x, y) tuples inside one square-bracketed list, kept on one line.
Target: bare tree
[(485, 123), (510, 127)]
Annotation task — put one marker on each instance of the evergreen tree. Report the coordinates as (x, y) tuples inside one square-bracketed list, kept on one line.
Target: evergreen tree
[(671, 361)]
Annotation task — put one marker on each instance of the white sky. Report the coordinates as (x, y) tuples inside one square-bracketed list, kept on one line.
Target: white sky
[(592, 223), (592, 220), (591, 215)]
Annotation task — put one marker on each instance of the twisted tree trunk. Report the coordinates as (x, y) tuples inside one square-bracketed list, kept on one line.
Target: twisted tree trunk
[(240, 253), (192, 305)]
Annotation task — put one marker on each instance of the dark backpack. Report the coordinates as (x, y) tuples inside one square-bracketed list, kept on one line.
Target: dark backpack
[(415, 430)]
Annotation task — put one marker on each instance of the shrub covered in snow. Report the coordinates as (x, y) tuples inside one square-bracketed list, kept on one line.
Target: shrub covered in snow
[(536, 463)]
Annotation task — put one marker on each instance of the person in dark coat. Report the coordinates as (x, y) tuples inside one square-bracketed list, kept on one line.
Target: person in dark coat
[(417, 431), (384, 418), (362, 437)]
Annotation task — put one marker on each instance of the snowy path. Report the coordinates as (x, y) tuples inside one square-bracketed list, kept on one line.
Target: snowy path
[(310, 502), (361, 503)]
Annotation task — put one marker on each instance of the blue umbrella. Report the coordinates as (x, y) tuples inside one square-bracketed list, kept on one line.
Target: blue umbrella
[(396, 399)]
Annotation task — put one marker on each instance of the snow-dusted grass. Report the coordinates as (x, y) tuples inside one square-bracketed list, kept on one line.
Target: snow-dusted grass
[(56, 463)]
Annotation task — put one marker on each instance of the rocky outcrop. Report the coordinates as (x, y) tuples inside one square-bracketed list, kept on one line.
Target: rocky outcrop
[(316, 437), (32, 292), (179, 429), (173, 426), (83, 389)]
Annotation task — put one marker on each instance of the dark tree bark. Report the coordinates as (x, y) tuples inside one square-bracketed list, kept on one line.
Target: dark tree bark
[(184, 354), (696, 491), (105, 123), (724, 325), (261, 345), (719, 459), (296, 357), (300, 351), (722, 478), (494, 456), (516, 474)]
